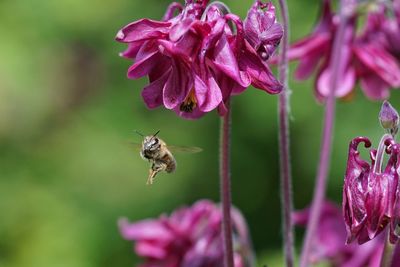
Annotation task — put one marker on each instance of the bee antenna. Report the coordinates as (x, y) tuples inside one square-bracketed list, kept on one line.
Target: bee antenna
[(139, 133), (154, 135)]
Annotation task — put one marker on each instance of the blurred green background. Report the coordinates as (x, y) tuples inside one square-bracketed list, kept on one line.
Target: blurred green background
[(67, 115)]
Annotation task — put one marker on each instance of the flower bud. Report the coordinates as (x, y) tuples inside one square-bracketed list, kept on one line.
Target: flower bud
[(389, 118)]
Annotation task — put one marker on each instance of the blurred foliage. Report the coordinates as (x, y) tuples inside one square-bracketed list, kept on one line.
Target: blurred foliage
[(67, 115)]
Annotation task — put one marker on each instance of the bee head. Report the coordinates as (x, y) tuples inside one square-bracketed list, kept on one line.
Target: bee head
[(151, 143)]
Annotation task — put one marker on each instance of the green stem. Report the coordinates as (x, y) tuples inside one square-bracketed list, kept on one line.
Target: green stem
[(225, 184)]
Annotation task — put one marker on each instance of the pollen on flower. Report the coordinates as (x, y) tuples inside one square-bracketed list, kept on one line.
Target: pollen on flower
[(190, 103)]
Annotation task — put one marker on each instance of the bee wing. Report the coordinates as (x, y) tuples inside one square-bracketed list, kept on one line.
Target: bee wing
[(184, 149), (136, 146)]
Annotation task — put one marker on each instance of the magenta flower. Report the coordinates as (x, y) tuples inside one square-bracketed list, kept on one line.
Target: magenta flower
[(329, 243), (313, 48), (383, 28), (370, 195), (194, 60), (314, 51), (377, 69), (364, 57), (189, 237), (262, 30)]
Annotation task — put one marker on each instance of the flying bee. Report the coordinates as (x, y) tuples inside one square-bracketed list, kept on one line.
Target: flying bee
[(159, 155)]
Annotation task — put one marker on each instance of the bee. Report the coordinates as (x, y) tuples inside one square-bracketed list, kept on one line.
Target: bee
[(159, 155)]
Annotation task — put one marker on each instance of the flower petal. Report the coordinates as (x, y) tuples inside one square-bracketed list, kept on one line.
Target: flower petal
[(144, 230), (379, 62), (195, 114), (169, 13), (306, 67), (186, 48), (177, 85), (374, 87), (143, 29), (355, 190), (376, 203), (225, 61), (346, 85), (153, 93), (179, 29), (260, 74), (150, 249), (144, 65), (314, 45), (132, 50), (261, 28), (207, 91)]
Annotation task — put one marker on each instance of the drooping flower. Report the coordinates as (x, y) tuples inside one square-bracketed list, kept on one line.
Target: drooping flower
[(364, 58), (189, 237), (391, 29), (377, 69), (314, 47), (194, 60), (329, 242), (262, 30), (370, 194), (314, 54)]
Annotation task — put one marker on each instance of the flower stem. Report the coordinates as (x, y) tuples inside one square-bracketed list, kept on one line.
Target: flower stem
[(283, 118), (326, 146), (396, 256), (387, 253), (220, 5), (225, 185), (380, 153)]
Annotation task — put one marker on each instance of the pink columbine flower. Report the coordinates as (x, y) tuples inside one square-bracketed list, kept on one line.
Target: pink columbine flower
[(262, 31), (377, 69), (329, 242), (194, 60), (370, 194), (388, 27), (371, 199), (314, 54), (364, 57), (189, 237)]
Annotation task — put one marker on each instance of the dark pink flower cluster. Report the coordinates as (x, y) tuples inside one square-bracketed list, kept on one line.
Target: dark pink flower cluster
[(371, 57), (198, 58), (371, 196), (329, 243), (189, 237)]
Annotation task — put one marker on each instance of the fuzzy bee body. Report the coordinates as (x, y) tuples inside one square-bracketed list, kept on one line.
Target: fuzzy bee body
[(159, 154), (156, 151)]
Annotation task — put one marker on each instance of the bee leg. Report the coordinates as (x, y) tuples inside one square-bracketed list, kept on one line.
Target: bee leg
[(150, 179), (156, 167)]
